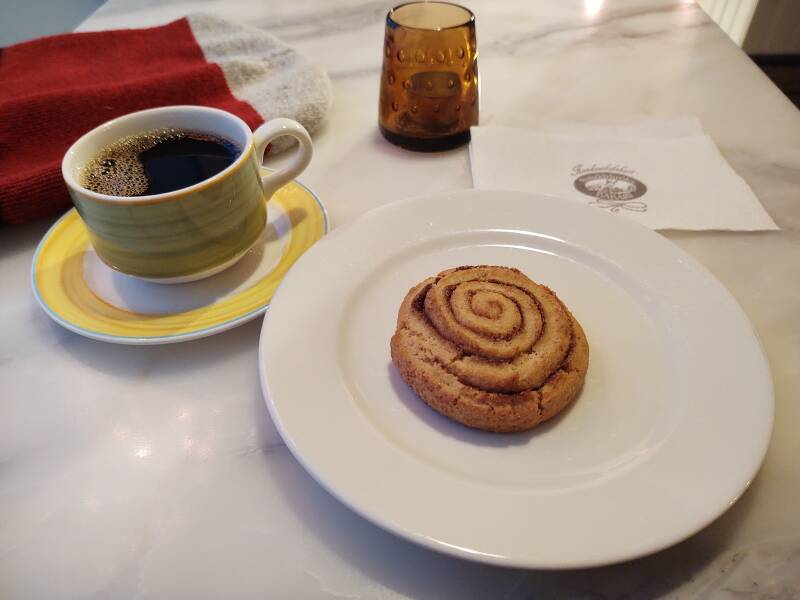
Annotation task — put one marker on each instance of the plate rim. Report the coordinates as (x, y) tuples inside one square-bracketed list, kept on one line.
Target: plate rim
[(372, 513), (161, 339)]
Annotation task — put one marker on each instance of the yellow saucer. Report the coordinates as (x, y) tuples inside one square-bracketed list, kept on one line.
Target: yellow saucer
[(60, 287)]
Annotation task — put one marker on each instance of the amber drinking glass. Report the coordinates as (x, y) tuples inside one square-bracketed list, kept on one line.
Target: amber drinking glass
[(429, 83)]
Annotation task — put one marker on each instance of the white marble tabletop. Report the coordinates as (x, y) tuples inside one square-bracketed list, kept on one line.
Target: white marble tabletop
[(132, 472)]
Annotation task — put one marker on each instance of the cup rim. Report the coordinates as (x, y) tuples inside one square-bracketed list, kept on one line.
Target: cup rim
[(469, 21), (67, 166)]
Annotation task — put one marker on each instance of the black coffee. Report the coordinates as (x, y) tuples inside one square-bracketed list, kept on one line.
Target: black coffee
[(157, 162)]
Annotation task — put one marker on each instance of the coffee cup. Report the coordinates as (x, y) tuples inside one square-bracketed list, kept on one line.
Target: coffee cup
[(193, 232)]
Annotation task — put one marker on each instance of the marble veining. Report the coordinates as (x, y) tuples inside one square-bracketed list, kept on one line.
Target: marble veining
[(156, 472)]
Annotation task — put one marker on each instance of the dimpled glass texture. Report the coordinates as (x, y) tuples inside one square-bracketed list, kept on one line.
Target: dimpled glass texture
[(429, 82)]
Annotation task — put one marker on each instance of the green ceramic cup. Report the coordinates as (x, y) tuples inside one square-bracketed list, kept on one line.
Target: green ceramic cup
[(193, 232)]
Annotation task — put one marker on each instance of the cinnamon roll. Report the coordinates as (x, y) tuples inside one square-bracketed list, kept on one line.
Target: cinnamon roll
[(489, 348)]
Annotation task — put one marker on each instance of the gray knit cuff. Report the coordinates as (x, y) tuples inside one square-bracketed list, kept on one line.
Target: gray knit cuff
[(266, 73)]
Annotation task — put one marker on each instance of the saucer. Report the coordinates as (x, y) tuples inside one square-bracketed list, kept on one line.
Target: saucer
[(81, 293)]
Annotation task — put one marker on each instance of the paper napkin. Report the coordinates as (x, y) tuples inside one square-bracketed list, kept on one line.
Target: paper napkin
[(662, 174)]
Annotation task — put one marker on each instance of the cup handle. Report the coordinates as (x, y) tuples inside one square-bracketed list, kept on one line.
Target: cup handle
[(302, 156)]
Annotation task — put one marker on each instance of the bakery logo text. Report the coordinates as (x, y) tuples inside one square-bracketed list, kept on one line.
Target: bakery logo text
[(611, 185)]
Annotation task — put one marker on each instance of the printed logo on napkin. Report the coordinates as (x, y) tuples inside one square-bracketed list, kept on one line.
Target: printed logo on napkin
[(612, 186)]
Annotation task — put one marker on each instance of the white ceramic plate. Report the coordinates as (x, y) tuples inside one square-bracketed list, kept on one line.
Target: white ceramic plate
[(672, 424)]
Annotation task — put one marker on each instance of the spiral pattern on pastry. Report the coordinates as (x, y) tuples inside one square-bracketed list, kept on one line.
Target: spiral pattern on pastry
[(490, 348)]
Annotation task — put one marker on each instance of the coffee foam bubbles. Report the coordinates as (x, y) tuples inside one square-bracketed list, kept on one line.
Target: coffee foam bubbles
[(117, 170)]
